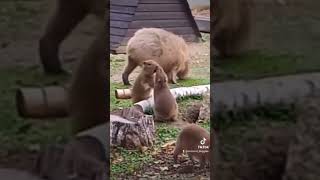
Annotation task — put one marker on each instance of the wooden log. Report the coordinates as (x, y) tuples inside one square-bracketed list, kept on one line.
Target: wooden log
[(246, 94), (131, 128), (123, 93), (147, 105), (44, 102)]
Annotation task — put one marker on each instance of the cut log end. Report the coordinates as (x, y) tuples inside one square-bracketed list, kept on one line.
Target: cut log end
[(123, 93)]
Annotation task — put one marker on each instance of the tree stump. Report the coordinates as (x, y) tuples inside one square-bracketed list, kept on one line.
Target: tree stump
[(131, 128)]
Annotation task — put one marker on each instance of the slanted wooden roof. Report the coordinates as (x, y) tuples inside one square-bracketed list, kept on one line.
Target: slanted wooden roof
[(127, 16)]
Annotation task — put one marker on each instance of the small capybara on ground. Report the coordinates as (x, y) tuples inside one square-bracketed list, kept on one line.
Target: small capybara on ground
[(144, 83), (166, 48), (165, 105), (195, 141)]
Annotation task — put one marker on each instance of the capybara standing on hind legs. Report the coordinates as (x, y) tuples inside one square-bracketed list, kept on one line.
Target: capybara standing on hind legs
[(144, 83), (165, 105), (167, 49)]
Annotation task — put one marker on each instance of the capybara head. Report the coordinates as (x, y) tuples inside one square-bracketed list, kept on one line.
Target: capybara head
[(161, 77), (150, 66)]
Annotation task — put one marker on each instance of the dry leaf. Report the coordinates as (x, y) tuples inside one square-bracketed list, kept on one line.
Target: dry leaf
[(165, 168)]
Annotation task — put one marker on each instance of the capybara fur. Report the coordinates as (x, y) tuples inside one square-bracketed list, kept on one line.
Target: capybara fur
[(189, 141), (166, 48), (144, 83), (165, 105), (232, 25), (87, 93), (67, 16)]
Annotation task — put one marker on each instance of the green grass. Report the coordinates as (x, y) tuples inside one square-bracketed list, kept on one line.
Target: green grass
[(239, 128), (118, 103), (255, 65), (133, 160), (275, 113), (19, 16), (16, 133)]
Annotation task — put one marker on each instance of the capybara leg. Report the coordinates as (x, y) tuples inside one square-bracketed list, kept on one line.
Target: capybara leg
[(174, 118), (176, 152), (182, 74), (203, 161), (128, 69), (172, 77), (66, 17), (192, 159)]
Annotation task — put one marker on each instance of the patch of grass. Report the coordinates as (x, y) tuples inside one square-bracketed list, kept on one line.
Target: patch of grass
[(165, 134), (118, 103), (275, 113), (190, 82), (131, 161), (205, 37), (18, 15), (16, 133), (256, 65)]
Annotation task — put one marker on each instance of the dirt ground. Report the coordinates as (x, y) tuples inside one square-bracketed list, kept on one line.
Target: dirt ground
[(19, 40)]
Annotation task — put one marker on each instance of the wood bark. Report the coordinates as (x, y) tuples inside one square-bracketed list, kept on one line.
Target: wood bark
[(130, 128)]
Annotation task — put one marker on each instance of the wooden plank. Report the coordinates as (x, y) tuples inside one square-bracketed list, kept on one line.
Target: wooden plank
[(121, 50), (191, 19), (160, 8), (175, 30), (122, 9), (124, 2), (118, 31), (119, 24), (159, 23), (116, 39), (121, 17), (159, 15), (159, 1)]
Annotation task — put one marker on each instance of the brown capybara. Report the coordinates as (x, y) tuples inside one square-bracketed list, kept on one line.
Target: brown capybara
[(67, 16), (144, 83), (166, 48), (195, 141), (232, 25), (165, 106)]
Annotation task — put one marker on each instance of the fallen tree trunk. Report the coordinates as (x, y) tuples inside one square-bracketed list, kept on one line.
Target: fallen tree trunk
[(148, 104), (235, 95)]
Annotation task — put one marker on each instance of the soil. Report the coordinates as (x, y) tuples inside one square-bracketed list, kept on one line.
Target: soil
[(164, 168)]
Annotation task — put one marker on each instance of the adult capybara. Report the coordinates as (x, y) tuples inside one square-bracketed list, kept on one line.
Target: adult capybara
[(167, 49)]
